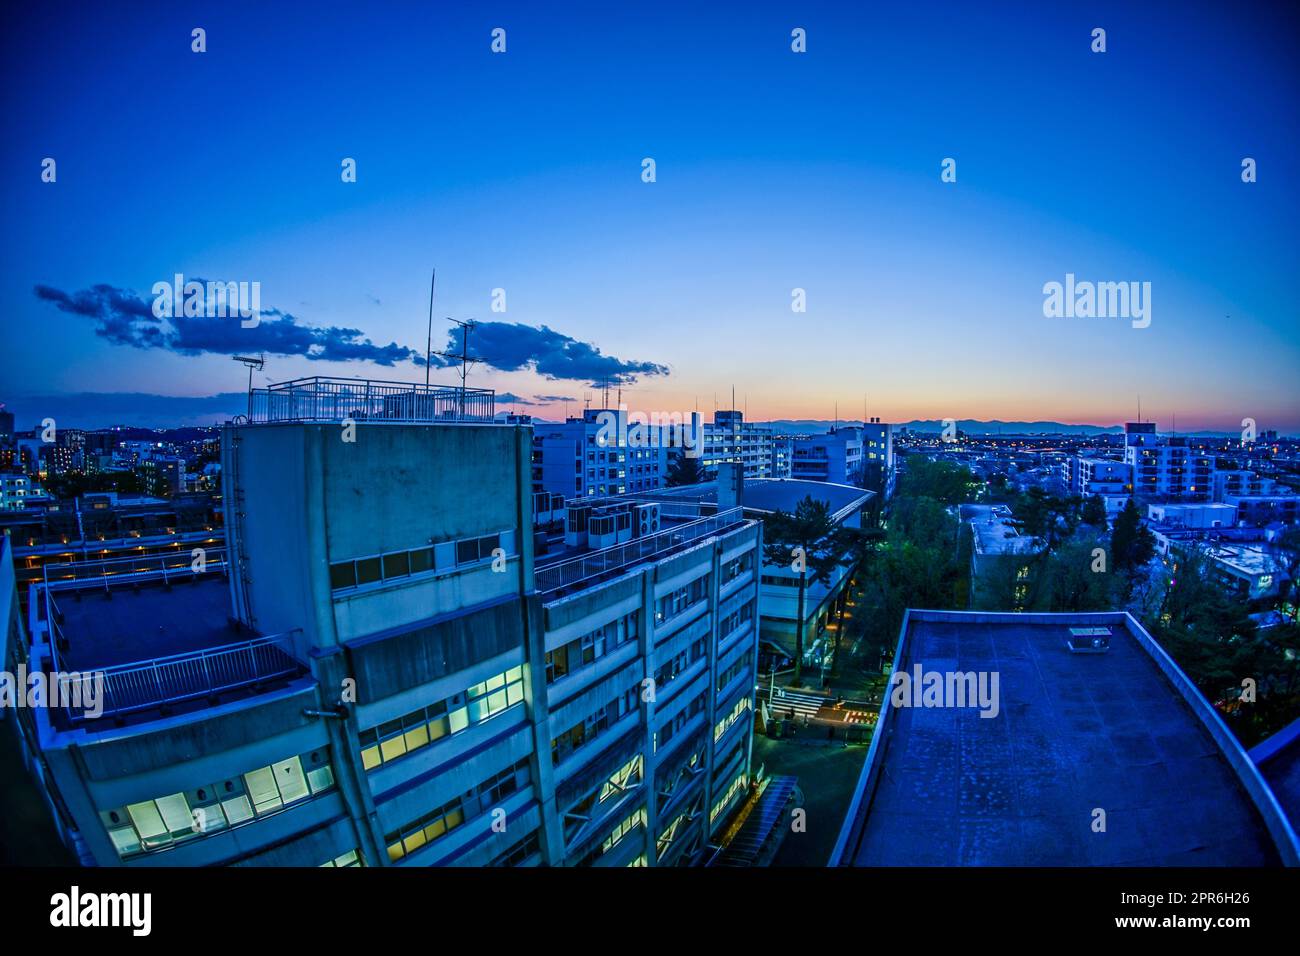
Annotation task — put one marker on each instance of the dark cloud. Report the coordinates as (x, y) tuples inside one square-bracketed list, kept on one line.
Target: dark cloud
[(554, 398), (511, 347), (124, 318)]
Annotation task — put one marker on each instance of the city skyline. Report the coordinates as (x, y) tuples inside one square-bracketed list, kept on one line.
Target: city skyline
[(774, 172)]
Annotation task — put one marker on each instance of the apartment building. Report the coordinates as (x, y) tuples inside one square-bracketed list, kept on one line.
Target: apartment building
[(1166, 469), (382, 674), (730, 438), (600, 454), (835, 457)]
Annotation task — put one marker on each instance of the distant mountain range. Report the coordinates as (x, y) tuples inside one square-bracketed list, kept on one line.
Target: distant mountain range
[(973, 426)]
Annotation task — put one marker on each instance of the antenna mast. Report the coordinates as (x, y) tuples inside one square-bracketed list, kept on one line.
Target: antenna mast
[(428, 346)]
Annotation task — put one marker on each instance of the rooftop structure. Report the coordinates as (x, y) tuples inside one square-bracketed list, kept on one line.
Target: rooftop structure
[(1097, 751)]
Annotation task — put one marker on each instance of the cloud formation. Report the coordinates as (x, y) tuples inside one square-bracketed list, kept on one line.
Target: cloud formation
[(125, 318), (513, 347)]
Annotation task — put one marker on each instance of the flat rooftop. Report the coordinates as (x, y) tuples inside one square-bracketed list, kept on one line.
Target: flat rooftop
[(130, 624), (773, 494), (994, 533), (944, 786)]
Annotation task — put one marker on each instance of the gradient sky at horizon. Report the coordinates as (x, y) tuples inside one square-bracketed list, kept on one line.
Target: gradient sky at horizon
[(775, 171)]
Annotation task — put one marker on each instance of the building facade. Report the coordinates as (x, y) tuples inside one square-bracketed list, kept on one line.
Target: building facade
[(400, 683)]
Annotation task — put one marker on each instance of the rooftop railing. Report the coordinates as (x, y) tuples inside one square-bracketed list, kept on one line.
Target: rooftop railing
[(132, 570), (321, 399), (585, 567), (162, 681)]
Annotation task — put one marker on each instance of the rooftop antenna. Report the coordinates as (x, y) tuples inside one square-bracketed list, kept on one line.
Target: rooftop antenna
[(465, 361), (254, 363), (428, 345), (586, 402)]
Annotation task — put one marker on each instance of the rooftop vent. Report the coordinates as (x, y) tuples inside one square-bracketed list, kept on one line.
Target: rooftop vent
[(1089, 640)]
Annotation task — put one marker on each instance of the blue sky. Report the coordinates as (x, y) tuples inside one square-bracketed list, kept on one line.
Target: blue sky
[(774, 171)]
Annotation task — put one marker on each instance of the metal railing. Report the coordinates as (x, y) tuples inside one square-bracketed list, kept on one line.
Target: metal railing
[(575, 570), (144, 685), (168, 567), (321, 399)]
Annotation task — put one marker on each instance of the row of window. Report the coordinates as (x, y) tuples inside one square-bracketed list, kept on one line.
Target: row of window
[(622, 780), (351, 858), (419, 728), (590, 647), (725, 723), (442, 820), (735, 670), (671, 669), (675, 602), (180, 817), (587, 730), (517, 852), (735, 619), (737, 785), (397, 565), (669, 730)]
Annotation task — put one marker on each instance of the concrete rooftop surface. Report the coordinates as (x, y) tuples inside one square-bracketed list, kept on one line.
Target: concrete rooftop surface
[(130, 624), (1075, 732)]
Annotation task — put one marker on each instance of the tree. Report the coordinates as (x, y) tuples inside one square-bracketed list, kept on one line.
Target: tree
[(1132, 545), (810, 543), (1093, 511), (684, 470)]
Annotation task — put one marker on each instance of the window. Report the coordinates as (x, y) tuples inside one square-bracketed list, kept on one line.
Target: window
[(590, 647), (396, 738), (726, 723), (396, 565), (518, 852), (433, 825), (165, 821), (351, 858)]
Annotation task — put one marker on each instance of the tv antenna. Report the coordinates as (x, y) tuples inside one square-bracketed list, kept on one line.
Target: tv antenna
[(254, 363), (465, 361), (428, 345)]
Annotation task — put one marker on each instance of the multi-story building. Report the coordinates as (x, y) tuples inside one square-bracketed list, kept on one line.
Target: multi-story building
[(1261, 510), (400, 682), (600, 454), (1168, 470), (877, 469), (14, 490), (835, 457), (782, 455), (730, 438)]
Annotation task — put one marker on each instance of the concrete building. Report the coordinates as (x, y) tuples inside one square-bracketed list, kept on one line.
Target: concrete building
[(877, 467), (1000, 555), (1092, 749), (1166, 469), (600, 454), (779, 594), (1258, 511), (730, 438), (1085, 475), (835, 457), (1194, 516), (782, 455), (382, 674)]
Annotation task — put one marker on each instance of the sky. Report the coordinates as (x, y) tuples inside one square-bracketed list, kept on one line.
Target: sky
[(774, 171)]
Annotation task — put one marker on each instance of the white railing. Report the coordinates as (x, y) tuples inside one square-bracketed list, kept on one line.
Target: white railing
[(143, 685), (321, 399), (575, 570)]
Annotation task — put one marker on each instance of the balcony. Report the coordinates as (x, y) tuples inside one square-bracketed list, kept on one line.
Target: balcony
[(322, 399)]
